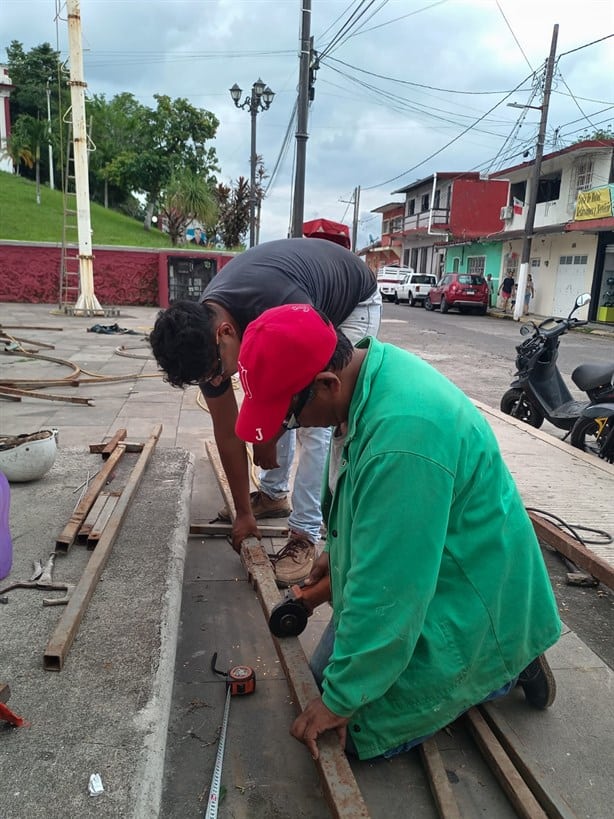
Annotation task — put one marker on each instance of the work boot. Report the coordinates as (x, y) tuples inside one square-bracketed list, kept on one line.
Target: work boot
[(538, 683), (295, 561), (263, 506)]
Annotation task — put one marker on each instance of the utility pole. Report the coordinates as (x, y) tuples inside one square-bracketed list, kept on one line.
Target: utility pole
[(525, 259), (298, 206), (355, 219), (87, 303)]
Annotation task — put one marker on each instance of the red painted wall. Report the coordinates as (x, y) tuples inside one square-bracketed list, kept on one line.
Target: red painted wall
[(476, 205), (31, 273)]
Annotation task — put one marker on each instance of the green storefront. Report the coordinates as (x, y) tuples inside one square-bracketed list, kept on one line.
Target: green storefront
[(476, 257)]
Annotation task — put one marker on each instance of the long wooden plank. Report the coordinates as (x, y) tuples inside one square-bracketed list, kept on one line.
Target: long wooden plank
[(445, 801), (522, 799), (552, 802), (103, 519), (338, 783), (91, 517), (67, 399), (68, 534), (64, 634), (131, 446), (573, 550)]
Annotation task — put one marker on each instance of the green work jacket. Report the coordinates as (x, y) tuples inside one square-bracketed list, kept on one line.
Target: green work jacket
[(439, 590)]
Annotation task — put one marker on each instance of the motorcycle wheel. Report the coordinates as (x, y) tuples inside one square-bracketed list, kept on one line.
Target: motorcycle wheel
[(589, 435), (516, 404)]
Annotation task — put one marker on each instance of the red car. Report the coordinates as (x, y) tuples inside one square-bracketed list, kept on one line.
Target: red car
[(466, 291)]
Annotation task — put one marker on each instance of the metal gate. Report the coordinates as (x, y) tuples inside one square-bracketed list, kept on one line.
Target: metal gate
[(188, 277), (569, 283)]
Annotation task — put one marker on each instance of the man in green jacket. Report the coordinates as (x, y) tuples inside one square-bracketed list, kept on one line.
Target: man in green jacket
[(440, 598)]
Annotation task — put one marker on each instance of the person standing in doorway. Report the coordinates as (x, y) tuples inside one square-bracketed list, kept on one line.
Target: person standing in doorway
[(506, 289), (529, 294)]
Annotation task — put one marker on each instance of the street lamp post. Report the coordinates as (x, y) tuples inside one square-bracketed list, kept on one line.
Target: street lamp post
[(260, 99)]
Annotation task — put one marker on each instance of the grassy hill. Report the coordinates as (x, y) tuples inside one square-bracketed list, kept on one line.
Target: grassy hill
[(22, 219)]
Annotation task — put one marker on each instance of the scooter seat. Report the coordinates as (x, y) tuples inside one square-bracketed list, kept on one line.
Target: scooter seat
[(588, 376)]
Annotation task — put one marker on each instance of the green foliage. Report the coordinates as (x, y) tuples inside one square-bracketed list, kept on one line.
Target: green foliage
[(597, 134), (186, 198), (233, 205), (23, 221)]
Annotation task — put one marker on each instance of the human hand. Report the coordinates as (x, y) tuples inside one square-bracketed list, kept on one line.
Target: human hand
[(315, 720), (265, 455), (244, 526), (319, 570)]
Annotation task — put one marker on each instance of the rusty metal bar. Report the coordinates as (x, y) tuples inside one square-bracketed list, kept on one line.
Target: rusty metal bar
[(573, 550), (64, 634), (67, 399), (102, 519), (518, 792), (552, 803), (224, 529), (337, 779), (68, 534), (445, 801)]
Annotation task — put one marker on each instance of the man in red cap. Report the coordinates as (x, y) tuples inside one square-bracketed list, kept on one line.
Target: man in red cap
[(198, 343), (440, 601)]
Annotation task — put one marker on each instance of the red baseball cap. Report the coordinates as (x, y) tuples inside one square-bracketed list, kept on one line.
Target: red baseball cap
[(281, 353)]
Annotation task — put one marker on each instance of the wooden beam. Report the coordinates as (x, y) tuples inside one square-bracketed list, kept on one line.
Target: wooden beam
[(91, 517), (573, 549), (102, 519), (516, 789), (68, 534), (552, 803), (120, 435), (338, 783), (64, 634), (67, 399), (130, 446), (445, 801)]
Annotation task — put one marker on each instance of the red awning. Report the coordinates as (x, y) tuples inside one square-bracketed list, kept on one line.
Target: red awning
[(326, 229)]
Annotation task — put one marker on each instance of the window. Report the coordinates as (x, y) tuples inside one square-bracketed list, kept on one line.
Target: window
[(385, 226), (466, 278), (580, 259), (584, 174), (536, 262), (518, 191), (436, 199), (414, 258), (424, 203), (423, 255), (549, 188), (566, 260), (411, 207), (476, 265), (455, 264)]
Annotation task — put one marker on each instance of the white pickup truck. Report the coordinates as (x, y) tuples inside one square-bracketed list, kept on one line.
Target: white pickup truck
[(398, 284)]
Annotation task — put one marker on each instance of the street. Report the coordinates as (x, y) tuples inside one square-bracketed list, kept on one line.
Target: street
[(477, 353)]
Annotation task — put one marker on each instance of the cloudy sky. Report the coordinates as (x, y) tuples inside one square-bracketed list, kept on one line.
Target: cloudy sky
[(406, 87)]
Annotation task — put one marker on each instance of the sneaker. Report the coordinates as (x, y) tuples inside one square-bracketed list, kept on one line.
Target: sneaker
[(262, 507), (538, 683), (294, 562)]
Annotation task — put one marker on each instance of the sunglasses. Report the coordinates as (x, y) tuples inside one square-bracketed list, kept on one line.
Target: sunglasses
[(299, 403)]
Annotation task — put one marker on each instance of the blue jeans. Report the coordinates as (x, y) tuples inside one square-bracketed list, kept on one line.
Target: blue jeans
[(320, 659), (306, 515)]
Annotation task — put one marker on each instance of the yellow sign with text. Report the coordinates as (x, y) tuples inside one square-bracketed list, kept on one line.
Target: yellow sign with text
[(595, 204)]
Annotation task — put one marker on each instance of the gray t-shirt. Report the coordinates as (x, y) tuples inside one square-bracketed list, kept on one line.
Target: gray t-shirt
[(292, 271)]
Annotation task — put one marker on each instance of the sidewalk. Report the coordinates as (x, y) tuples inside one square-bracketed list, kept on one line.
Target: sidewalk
[(107, 710), (594, 327)]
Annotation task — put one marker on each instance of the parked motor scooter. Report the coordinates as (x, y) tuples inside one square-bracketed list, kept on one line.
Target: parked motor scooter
[(594, 431), (538, 390)]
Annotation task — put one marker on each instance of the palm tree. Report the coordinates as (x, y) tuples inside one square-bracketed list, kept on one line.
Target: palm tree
[(188, 197), (18, 152)]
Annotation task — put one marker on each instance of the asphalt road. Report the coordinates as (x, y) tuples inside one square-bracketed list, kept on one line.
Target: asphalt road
[(477, 353)]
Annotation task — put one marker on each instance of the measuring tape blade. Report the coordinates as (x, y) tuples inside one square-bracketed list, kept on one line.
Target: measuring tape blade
[(216, 779)]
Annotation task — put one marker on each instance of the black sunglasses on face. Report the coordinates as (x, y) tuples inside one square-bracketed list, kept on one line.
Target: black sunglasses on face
[(299, 403)]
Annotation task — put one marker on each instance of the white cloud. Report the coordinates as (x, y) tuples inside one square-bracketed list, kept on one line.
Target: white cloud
[(199, 48)]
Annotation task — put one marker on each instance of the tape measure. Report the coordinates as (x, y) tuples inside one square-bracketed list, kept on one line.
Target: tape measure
[(241, 679)]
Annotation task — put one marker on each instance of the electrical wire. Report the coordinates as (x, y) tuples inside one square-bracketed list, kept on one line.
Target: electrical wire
[(572, 528)]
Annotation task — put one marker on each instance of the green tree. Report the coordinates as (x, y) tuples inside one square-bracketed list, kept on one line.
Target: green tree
[(115, 125), (31, 133), (187, 197), (18, 151), (233, 204), (170, 139), (38, 77)]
